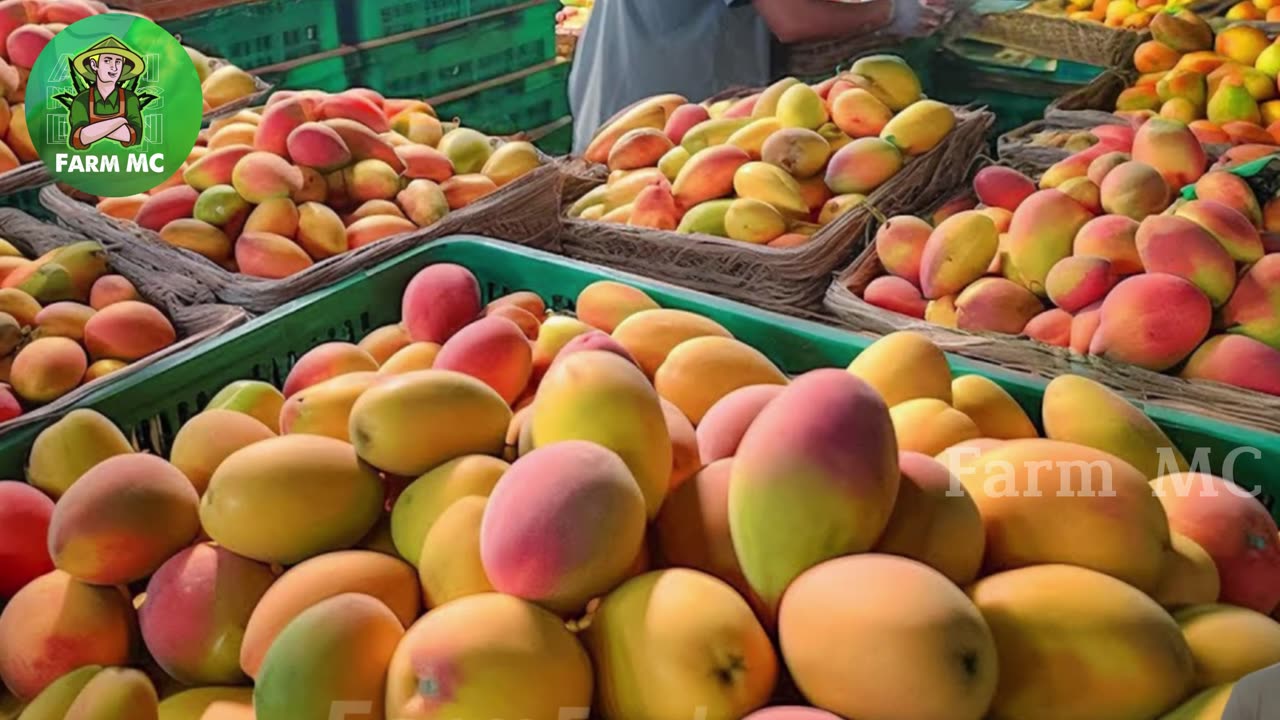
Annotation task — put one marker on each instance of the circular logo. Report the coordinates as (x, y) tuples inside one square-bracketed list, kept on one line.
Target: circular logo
[(114, 105)]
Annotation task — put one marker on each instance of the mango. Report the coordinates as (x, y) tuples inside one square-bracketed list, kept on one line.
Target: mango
[(837, 206), (1231, 103), (493, 350), (771, 185), (1003, 187), (801, 152), (1096, 507), (111, 289), (1042, 233), (324, 362), (1233, 230), (47, 368), (1228, 642), (897, 295), (1135, 190), (1236, 360), (25, 513), (860, 114), (449, 659), (1183, 31), (1230, 524), (255, 398), (1179, 247), (199, 237), (1172, 149), (649, 336), (682, 119), (316, 145), (390, 581), (722, 427), (1110, 616), (1204, 705), (426, 163), (128, 330), (70, 447), (1254, 308), (863, 165), (334, 654), (672, 670), (364, 143), (1112, 238), (900, 244), (325, 408), (936, 632), (57, 697), (994, 411), (584, 567), (655, 208), (903, 366), (56, 624), (342, 499), (700, 371), (197, 606), (1155, 56), (639, 148), (207, 439), (919, 127), (261, 176), (929, 426), (1078, 281), (208, 703), (711, 133), (1113, 425), (708, 175), (379, 227), (450, 566), (930, 497), (957, 253), (562, 412), (1190, 577), (217, 167), (766, 473), (887, 77)]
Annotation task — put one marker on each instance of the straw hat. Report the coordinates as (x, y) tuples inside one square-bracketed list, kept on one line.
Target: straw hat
[(109, 45)]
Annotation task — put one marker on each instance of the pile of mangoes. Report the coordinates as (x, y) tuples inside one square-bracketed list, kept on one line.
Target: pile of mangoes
[(1222, 85), (769, 169), (27, 26), (1105, 259), (1126, 14), (312, 175), (65, 321), (489, 511)]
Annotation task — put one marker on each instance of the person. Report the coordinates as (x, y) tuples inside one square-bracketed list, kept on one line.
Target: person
[(1255, 697), (106, 110), (633, 49)]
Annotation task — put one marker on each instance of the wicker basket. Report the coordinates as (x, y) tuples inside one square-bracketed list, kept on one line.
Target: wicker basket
[(1223, 402), (1057, 36), (791, 280), (184, 301), (523, 212)]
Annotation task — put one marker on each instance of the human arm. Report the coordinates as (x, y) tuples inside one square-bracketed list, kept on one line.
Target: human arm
[(133, 118), (793, 21)]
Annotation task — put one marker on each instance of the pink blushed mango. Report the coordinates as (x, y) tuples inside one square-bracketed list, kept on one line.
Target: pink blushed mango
[(440, 301), (896, 295), (1236, 360), (1043, 230), (1177, 246), (958, 252), (1078, 281), (900, 245), (1113, 238), (1153, 320)]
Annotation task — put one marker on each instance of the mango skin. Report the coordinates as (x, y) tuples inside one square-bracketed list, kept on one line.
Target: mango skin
[(1152, 320), (458, 653), (903, 366), (66, 450), (336, 651), (385, 578), (1114, 623), (423, 502), (701, 371), (568, 405), (321, 499), (209, 438), (798, 497), (1041, 233), (208, 703), (932, 523)]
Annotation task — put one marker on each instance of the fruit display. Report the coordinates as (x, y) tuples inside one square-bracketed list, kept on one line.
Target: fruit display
[(27, 26), (770, 169), (1223, 85), (1253, 10), (312, 175), (1120, 14), (65, 320), (1105, 258), (490, 510)]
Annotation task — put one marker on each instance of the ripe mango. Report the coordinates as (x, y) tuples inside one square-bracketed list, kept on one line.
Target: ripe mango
[(919, 127), (957, 252)]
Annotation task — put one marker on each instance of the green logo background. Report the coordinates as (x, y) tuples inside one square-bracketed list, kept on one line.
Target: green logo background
[(172, 120)]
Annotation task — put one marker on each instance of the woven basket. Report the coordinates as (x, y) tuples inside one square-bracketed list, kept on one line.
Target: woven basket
[(790, 280), (1223, 402), (524, 212), (187, 304), (1057, 36), (170, 9)]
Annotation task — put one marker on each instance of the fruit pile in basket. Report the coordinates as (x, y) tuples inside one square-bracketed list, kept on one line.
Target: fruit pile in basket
[(27, 26), (1126, 14), (65, 321), (1097, 261), (1223, 85), (314, 175), (491, 512), (771, 168), (1267, 10)]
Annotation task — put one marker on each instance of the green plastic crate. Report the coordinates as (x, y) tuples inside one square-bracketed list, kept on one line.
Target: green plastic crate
[(438, 62), (152, 404), (523, 103), (256, 34), (330, 74), (365, 20), (28, 201), (559, 141)]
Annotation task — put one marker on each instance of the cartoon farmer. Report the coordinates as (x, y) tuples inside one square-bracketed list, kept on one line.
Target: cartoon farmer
[(106, 109)]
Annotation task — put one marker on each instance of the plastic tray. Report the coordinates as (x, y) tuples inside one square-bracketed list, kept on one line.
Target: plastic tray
[(529, 99), (437, 61), (255, 34), (330, 74), (154, 403), (364, 20)]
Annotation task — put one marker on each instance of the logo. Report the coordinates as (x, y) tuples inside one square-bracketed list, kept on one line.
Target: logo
[(114, 105)]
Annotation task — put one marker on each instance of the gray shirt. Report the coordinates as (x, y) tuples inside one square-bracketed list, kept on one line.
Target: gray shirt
[(1255, 697), (632, 49)]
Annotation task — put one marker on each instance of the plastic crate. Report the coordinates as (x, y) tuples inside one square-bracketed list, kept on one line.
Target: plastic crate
[(154, 403), (364, 20), (331, 74), (256, 34), (439, 61), (559, 141), (527, 101)]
